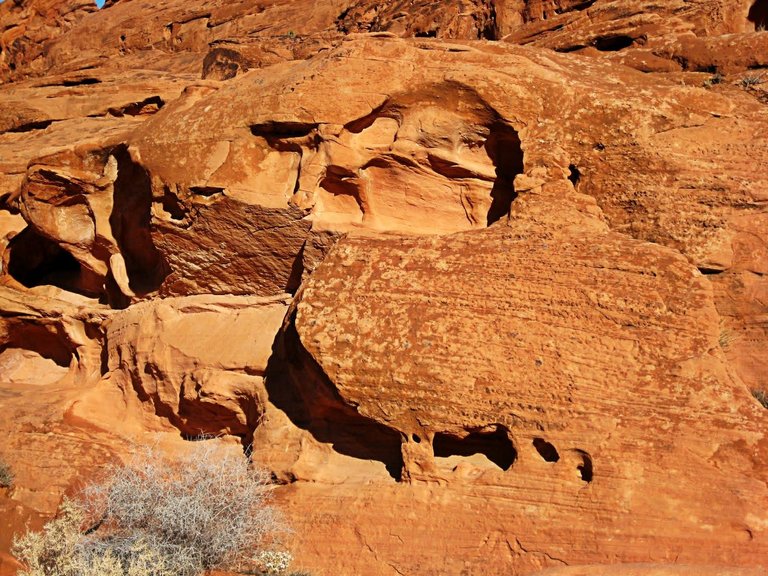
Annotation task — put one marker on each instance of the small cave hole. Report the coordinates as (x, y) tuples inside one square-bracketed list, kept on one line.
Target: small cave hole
[(30, 126), (172, 206), (416, 438), (206, 191), (495, 445), (585, 468), (426, 34), (613, 43), (574, 175), (546, 450), (130, 222), (37, 261), (49, 342), (283, 130), (758, 15), (568, 49), (142, 108), (81, 82), (504, 148), (706, 271)]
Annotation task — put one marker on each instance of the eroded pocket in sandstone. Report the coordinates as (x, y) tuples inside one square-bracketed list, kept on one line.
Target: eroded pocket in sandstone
[(481, 448)]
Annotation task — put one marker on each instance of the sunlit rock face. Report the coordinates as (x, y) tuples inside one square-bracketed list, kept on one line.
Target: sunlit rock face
[(482, 283)]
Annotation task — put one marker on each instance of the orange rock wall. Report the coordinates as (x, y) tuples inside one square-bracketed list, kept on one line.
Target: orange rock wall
[(482, 283)]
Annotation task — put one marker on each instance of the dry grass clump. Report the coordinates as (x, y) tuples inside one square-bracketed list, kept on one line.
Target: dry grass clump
[(761, 396), (6, 475), (157, 516)]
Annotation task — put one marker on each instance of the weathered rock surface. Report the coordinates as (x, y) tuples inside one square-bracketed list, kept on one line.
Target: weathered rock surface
[(481, 308), (650, 570), (204, 383), (471, 345)]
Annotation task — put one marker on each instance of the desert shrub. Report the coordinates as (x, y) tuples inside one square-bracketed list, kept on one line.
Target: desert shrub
[(716, 78), (6, 475), (157, 516), (761, 396), (752, 80)]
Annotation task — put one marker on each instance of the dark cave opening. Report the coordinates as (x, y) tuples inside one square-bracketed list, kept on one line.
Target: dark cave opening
[(130, 222), (546, 450), (504, 148), (585, 468), (34, 260), (758, 15), (613, 43), (48, 341), (574, 175), (495, 445)]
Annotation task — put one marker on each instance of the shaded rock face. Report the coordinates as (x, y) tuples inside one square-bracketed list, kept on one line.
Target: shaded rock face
[(479, 307)]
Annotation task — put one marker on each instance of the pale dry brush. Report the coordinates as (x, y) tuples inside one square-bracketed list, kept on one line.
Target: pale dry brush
[(158, 516), (6, 474)]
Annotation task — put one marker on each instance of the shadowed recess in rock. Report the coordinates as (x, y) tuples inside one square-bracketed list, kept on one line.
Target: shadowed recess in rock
[(544, 10), (494, 445), (143, 107), (297, 385), (613, 43), (546, 450), (586, 470), (48, 342), (130, 225), (505, 151), (574, 175), (280, 130), (758, 14), (36, 261)]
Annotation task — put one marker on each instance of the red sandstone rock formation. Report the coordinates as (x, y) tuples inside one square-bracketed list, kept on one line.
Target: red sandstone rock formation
[(481, 308)]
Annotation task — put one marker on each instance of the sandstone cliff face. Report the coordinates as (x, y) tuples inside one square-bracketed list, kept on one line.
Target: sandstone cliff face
[(483, 283)]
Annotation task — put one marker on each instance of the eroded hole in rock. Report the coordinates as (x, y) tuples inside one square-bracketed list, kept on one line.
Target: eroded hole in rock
[(206, 191), (147, 106), (574, 175), (585, 469), (360, 124), (71, 83), (283, 130), (130, 222), (297, 385), (416, 438), (505, 151), (710, 271), (37, 261), (426, 34), (48, 342), (81, 82), (494, 445), (567, 49), (30, 126), (613, 43), (533, 10), (758, 14), (340, 182), (546, 450), (576, 7), (172, 206)]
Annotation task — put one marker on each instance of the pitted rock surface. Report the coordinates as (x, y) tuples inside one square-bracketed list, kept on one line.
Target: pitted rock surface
[(482, 282)]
